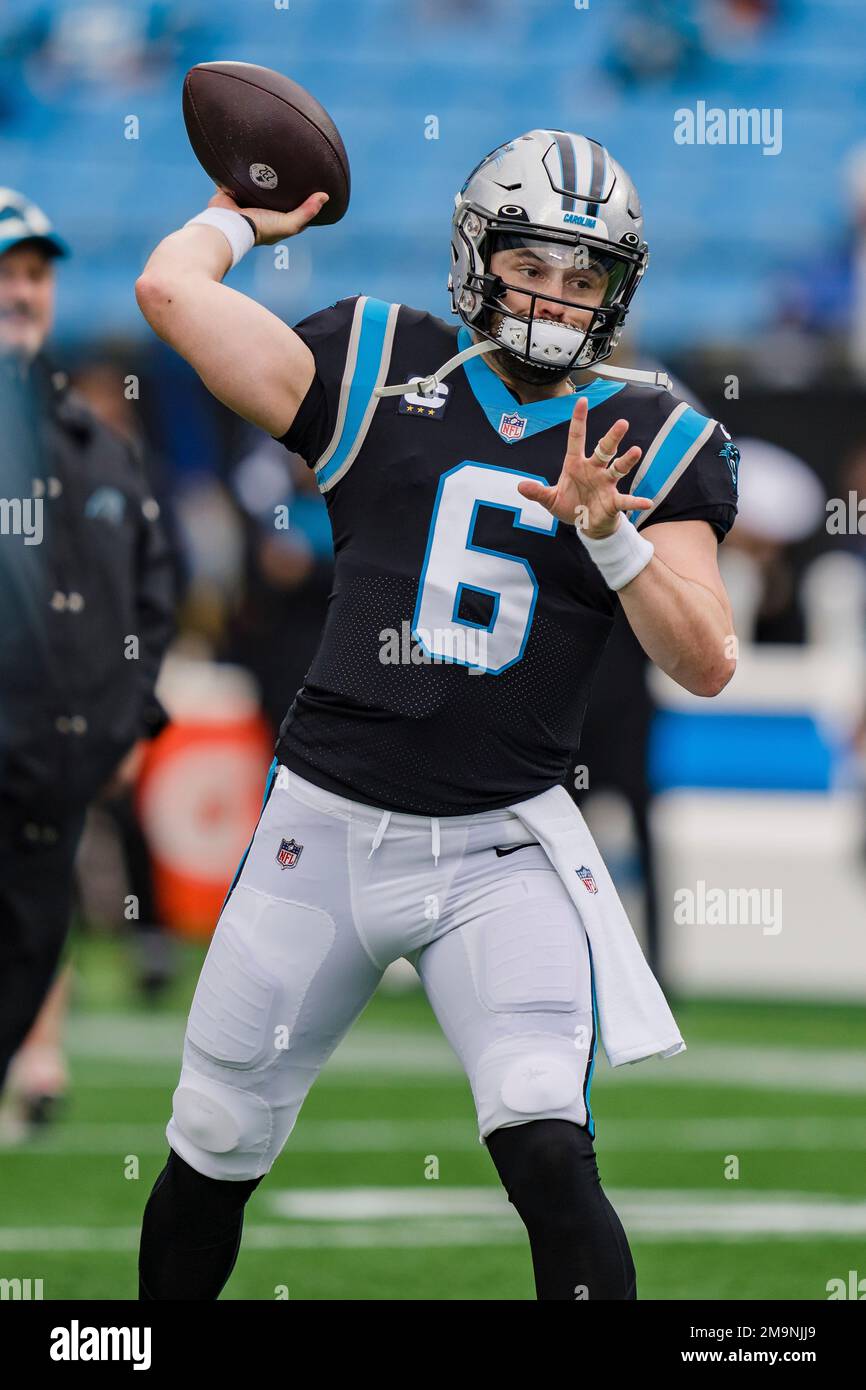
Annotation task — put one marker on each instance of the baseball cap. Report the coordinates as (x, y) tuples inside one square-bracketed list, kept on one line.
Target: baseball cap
[(21, 220)]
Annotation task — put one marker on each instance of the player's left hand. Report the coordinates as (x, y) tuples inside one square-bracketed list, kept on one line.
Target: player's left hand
[(586, 493)]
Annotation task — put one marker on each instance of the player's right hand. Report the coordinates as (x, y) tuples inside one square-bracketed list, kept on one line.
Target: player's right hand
[(272, 227)]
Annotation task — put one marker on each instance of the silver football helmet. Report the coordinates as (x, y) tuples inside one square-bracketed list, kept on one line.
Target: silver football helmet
[(561, 204)]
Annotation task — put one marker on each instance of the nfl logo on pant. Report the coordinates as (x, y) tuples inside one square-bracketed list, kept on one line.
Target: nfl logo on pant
[(587, 879), (288, 853)]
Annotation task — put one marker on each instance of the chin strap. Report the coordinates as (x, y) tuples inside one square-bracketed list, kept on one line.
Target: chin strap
[(427, 385), (629, 374)]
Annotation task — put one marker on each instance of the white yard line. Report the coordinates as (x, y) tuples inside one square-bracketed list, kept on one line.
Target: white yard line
[(650, 1210), (387, 1056), (721, 1133), (416, 1217)]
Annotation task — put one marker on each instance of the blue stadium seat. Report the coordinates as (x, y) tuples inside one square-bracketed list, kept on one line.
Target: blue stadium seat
[(485, 69)]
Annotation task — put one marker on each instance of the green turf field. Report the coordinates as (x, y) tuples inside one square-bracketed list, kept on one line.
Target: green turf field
[(350, 1212)]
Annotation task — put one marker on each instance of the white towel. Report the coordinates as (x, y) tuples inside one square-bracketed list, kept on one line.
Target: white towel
[(633, 1014)]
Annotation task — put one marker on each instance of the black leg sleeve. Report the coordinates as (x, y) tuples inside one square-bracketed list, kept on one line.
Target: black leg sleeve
[(579, 1248), (191, 1233)]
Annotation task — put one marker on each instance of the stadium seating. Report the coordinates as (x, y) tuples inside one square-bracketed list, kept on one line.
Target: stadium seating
[(488, 71)]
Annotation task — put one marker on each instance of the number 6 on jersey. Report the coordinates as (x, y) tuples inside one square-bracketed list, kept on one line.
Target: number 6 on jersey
[(454, 564)]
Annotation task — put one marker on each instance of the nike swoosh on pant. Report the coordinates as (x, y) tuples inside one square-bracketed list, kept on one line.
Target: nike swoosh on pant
[(513, 848)]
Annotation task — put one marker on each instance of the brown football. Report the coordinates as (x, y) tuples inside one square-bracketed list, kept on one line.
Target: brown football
[(264, 139)]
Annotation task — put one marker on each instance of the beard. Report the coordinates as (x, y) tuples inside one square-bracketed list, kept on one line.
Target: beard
[(529, 373)]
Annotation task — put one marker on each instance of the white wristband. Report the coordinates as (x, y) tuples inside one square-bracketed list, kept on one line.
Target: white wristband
[(620, 556), (237, 229)]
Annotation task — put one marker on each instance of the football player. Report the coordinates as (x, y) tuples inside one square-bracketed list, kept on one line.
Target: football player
[(493, 496)]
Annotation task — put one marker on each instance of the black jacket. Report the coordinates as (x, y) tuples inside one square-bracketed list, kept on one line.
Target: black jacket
[(86, 595)]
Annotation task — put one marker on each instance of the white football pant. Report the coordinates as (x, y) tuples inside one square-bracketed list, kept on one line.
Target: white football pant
[(306, 934)]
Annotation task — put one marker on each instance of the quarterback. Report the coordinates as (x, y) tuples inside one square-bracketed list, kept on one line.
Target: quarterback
[(494, 494)]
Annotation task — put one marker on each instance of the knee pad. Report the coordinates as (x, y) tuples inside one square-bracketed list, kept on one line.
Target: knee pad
[(219, 1130), (539, 1082), (529, 1076)]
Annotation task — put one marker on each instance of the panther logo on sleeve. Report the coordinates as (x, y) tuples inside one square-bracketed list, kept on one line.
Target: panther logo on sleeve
[(731, 454)]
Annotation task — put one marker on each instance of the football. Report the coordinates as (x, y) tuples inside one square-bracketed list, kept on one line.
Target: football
[(264, 139)]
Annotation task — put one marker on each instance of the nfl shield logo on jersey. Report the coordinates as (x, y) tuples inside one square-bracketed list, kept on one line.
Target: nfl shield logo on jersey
[(512, 426), (288, 853), (589, 882)]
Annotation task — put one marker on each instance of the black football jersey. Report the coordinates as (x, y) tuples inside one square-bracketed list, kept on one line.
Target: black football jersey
[(465, 622)]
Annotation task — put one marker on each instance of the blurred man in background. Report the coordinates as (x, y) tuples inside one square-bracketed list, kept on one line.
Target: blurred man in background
[(86, 612), (102, 379), (288, 571)]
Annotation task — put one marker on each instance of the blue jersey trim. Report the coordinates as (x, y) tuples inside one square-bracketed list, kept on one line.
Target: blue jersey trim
[(272, 773), (589, 1117), (496, 400), (688, 428), (374, 320)]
